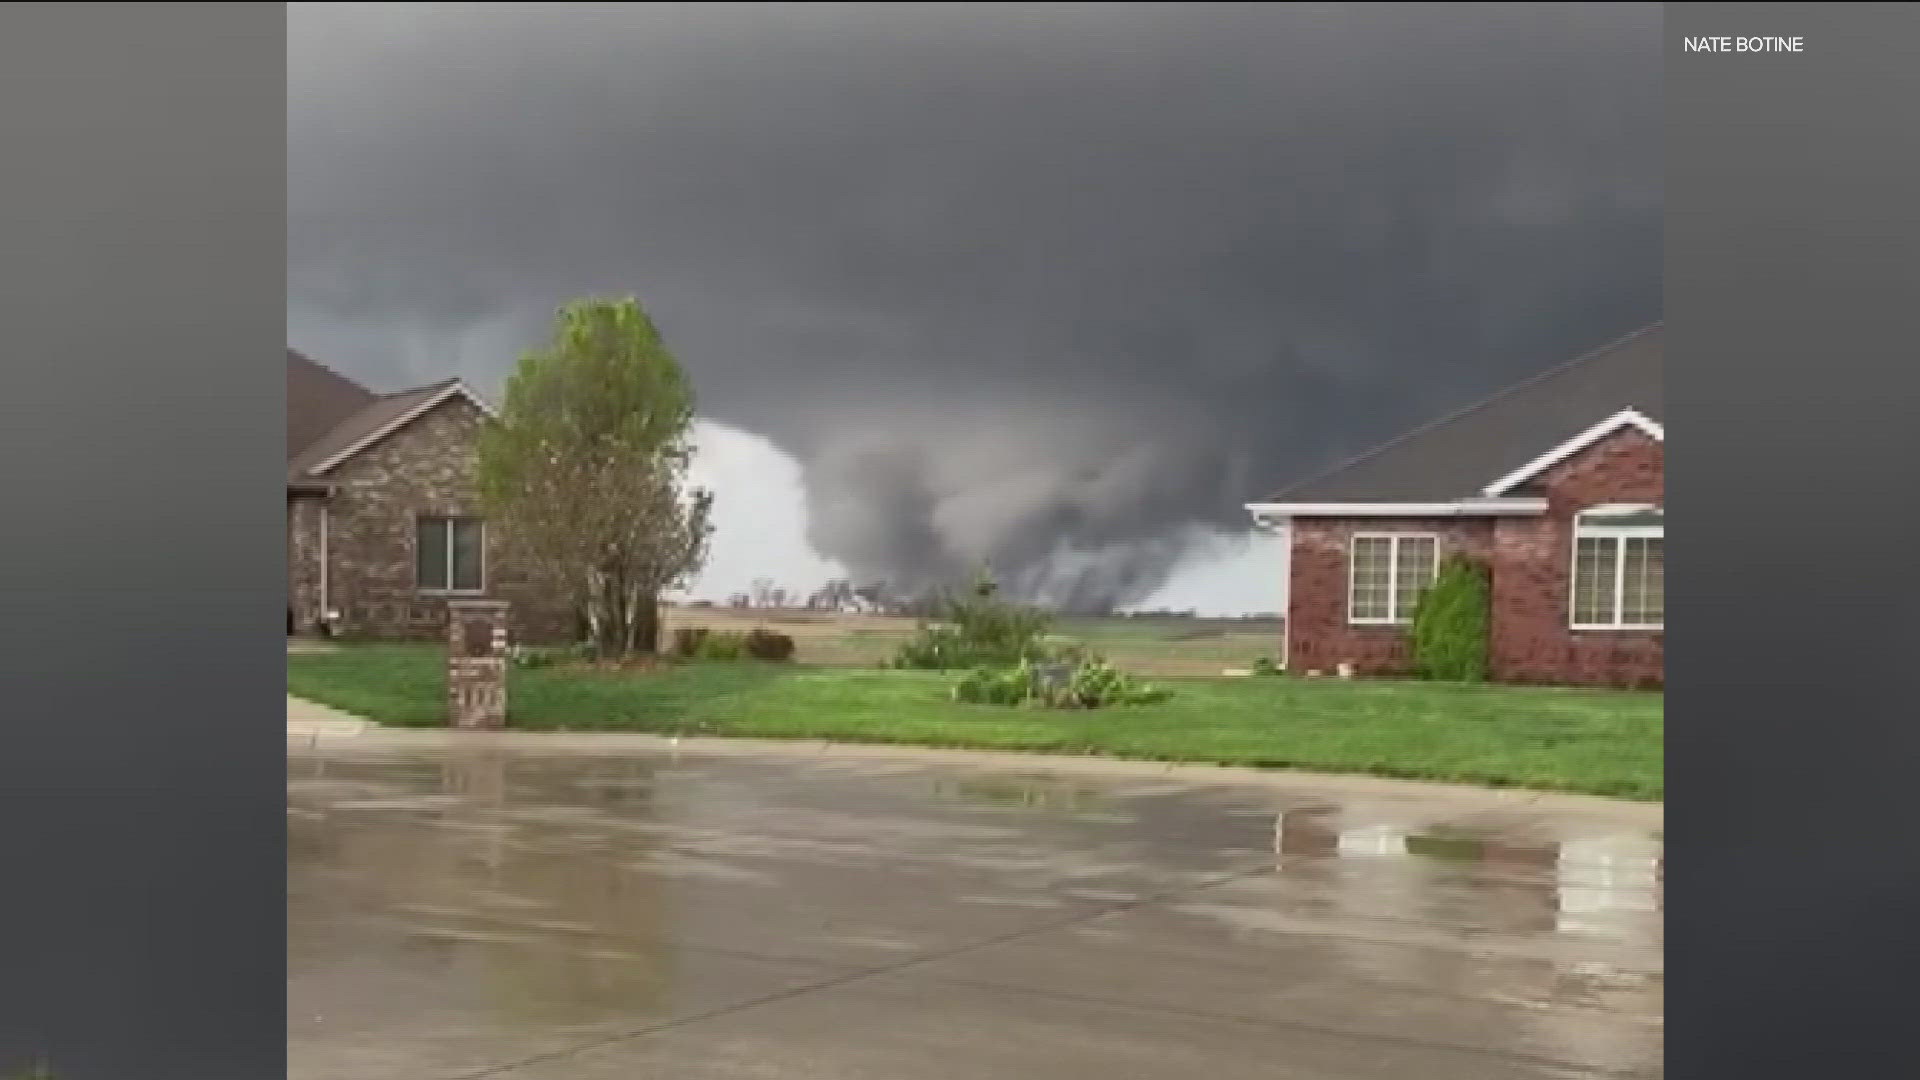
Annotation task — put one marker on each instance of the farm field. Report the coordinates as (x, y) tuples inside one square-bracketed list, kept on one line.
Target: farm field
[(1148, 645)]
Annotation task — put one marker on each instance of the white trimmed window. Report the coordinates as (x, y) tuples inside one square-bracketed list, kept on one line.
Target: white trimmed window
[(1619, 569), (450, 554), (1387, 574)]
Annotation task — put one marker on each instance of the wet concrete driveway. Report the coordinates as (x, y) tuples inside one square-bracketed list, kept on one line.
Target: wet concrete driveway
[(473, 909)]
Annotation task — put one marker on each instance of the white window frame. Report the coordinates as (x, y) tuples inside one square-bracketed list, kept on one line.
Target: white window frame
[(449, 521), (1394, 615), (1618, 534)]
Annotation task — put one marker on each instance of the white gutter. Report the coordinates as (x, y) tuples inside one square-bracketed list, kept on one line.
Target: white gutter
[(1272, 514)]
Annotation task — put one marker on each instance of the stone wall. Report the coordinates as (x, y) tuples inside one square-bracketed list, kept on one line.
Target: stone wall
[(1531, 560), (428, 467), (303, 564), (477, 644)]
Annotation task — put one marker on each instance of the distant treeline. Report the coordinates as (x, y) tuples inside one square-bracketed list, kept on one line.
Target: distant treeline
[(841, 595)]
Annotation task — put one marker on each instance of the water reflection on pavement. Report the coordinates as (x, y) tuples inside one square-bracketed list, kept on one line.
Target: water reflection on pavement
[(469, 911)]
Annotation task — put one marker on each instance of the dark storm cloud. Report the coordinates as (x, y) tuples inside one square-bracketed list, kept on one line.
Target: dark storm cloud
[(1057, 287)]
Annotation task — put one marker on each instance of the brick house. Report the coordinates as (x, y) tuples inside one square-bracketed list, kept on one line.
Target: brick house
[(383, 526), (1556, 485)]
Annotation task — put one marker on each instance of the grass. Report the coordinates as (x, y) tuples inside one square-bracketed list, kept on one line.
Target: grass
[(1598, 742)]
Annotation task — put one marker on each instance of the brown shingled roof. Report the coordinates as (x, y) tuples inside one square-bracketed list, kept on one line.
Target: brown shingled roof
[(368, 420), (318, 399)]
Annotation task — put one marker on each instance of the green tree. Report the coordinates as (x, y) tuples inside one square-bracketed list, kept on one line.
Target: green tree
[(585, 472)]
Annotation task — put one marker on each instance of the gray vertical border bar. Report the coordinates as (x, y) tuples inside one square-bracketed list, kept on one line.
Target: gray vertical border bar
[(1793, 303), (142, 315)]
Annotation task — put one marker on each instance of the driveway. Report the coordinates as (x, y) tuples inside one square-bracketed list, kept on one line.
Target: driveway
[(581, 909)]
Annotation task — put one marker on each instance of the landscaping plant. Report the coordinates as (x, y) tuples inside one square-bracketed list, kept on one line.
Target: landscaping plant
[(978, 629), (1450, 623), (687, 641), (534, 657), (704, 643), (1091, 684), (769, 645)]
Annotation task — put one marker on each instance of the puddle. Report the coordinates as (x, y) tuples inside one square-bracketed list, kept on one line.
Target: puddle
[(1023, 793)]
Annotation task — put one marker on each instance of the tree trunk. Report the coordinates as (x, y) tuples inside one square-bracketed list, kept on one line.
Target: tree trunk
[(647, 628)]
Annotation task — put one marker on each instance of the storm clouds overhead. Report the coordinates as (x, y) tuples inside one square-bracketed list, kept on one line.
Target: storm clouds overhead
[(1054, 287)]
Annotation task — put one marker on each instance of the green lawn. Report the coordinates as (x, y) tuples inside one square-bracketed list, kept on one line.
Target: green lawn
[(1600, 742)]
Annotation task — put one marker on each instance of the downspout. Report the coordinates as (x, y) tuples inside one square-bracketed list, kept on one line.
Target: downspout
[(1277, 526), (326, 609)]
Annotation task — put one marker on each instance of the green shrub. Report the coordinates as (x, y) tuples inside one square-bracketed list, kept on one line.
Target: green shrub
[(977, 629), (532, 657), (1265, 666), (764, 644), (1450, 623), (705, 643), (1091, 684), (721, 645), (687, 641)]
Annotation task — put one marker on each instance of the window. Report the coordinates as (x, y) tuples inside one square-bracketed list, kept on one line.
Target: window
[(1389, 572), (1619, 569), (449, 554)]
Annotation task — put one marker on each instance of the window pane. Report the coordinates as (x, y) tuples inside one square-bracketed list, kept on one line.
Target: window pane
[(430, 553), (1645, 584), (1418, 563), (1593, 578), (467, 558), (1372, 566)]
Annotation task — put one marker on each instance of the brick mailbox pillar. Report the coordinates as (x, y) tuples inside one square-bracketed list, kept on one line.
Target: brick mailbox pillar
[(477, 664)]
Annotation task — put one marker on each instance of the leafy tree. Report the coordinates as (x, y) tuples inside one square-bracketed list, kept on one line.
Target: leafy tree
[(585, 472), (1450, 623)]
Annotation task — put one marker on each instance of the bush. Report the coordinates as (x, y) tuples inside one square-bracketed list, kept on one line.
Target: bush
[(1090, 684), (688, 640), (1266, 666), (721, 645), (705, 643), (979, 630), (533, 657), (1450, 624), (764, 644)]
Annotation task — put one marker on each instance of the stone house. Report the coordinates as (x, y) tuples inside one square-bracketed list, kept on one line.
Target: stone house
[(1556, 485), (383, 522)]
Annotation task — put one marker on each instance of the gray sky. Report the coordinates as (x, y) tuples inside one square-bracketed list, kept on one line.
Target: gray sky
[(1056, 287)]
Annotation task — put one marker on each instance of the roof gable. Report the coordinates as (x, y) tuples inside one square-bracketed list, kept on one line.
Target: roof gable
[(1471, 451), (375, 422), (1625, 418)]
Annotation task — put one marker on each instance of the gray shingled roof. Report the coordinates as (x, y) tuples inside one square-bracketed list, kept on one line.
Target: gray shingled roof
[(1457, 455)]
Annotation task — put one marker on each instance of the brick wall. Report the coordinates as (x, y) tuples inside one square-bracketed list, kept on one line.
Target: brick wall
[(1318, 634), (427, 467), (1531, 559), (1533, 569)]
